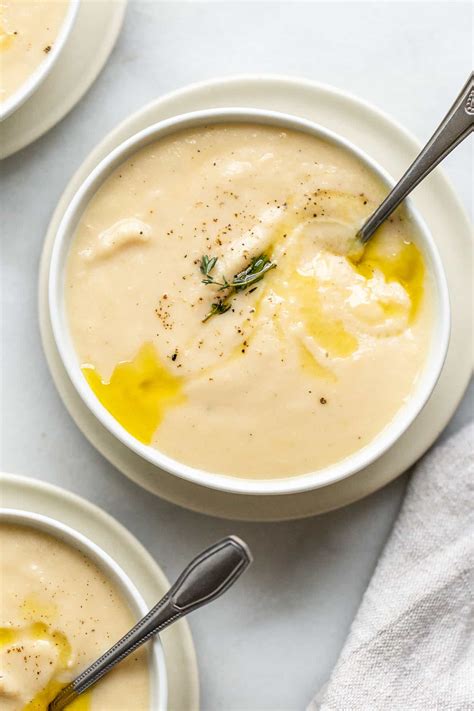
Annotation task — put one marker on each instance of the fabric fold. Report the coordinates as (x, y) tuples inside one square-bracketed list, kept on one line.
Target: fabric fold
[(411, 644)]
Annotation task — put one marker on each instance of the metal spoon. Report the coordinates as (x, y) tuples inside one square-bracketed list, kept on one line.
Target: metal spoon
[(454, 128), (207, 576)]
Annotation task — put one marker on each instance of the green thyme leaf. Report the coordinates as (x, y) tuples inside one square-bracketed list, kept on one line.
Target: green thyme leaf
[(249, 276)]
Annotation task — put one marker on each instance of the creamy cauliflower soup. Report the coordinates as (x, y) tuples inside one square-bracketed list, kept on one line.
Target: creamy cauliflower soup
[(218, 314), (28, 30), (58, 612)]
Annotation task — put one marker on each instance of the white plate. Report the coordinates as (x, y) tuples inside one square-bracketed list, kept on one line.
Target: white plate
[(27, 494), (34, 80), (394, 149), (88, 47)]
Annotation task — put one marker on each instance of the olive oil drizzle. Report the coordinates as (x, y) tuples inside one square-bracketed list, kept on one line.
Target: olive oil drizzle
[(15, 636), (138, 392)]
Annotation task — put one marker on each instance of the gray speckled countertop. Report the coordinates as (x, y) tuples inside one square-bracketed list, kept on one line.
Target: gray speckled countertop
[(271, 642)]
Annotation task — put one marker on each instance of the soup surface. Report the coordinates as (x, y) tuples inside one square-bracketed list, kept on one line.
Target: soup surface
[(28, 30), (58, 612), (268, 377)]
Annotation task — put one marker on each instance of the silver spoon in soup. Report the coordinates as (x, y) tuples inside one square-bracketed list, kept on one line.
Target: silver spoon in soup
[(205, 578), (454, 128)]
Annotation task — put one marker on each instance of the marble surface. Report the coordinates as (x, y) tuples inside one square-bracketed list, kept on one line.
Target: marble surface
[(271, 642)]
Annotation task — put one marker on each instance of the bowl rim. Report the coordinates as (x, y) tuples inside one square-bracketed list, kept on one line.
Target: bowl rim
[(113, 571), (36, 78), (232, 484)]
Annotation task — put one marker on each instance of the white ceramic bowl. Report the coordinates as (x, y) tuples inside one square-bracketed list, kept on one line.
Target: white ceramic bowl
[(42, 70), (305, 482), (158, 691)]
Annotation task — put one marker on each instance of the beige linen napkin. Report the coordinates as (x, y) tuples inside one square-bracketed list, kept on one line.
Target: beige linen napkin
[(411, 647)]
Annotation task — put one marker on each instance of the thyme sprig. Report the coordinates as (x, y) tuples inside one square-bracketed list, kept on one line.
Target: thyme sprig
[(249, 276)]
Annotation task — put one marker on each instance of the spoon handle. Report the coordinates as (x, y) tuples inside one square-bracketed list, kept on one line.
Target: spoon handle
[(454, 128), (209, 575)]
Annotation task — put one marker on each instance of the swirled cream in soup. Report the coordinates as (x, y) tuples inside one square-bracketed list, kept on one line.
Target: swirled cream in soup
[(58, 613), (28, 30), (217, 313)]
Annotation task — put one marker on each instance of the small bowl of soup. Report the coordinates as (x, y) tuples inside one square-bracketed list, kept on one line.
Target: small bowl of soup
[(209, 310), (64, 602), (32, 35)]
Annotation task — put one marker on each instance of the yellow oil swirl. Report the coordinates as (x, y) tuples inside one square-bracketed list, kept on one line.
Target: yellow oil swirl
[(330, 333), (404, 265), (311, 365), (33, 608), (138, 392), (41, 631), (6, 37), (42, 700), (8, 635), (300, 293)]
